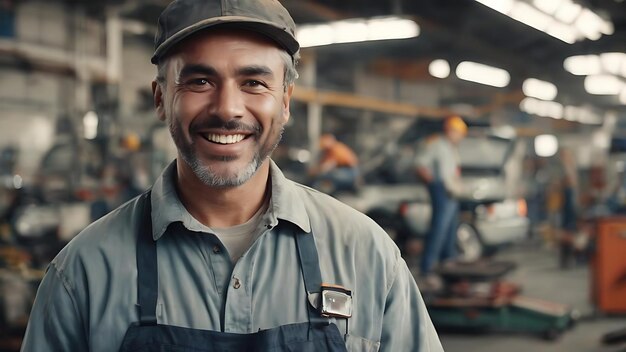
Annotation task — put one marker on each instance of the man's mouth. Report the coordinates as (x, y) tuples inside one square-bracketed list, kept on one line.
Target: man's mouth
[(224, 138)]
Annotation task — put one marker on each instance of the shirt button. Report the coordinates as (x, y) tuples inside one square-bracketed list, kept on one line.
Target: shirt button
[(216, 249), (237, 284)]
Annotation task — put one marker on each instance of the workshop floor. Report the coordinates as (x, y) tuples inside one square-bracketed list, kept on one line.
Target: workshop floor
[(540, 277)]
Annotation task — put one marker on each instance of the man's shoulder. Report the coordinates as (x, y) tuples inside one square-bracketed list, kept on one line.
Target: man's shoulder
[(342, 224)]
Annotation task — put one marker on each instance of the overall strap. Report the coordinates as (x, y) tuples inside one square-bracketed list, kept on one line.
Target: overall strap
[(147, 270), (309, 263)]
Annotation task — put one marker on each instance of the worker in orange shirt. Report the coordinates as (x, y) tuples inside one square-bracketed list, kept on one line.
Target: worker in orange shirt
[(338, 167)]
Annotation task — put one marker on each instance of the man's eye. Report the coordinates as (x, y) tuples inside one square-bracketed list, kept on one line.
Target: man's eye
[(198, 82), (254, 83)]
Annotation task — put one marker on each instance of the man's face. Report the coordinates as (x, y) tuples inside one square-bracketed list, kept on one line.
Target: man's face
[(455, 136), (225, 103)]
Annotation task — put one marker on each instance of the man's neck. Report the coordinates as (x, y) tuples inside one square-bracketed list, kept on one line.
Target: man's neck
[(222, 207)]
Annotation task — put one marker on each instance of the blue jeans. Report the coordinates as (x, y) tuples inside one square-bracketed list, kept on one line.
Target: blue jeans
[(440, 243)]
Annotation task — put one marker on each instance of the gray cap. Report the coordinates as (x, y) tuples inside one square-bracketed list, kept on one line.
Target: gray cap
[(182, 18)]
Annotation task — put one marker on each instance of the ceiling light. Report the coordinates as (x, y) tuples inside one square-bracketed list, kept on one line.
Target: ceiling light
[(603, 85), (90, 125), (356, 30), (349, 31), (529, 105), (548, 7), (530, 16), (613, 62), (391, 28), (568, 11), (546, 145), (563, 32), (315, 35), (562, 19), (550, 109), (583, 65), (571, 113), (439, 68), (483, 74), (533, 87), (589, 24)]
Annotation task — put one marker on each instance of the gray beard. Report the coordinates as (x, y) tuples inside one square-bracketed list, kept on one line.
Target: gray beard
[(207, 176)]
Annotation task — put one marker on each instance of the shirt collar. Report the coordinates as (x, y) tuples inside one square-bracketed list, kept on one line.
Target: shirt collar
[(285, 203)]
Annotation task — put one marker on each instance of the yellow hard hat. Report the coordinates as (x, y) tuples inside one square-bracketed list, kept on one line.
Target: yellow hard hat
[(131, 142), (456, 123)]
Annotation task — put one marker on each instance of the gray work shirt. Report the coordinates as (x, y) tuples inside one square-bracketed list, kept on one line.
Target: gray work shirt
[(87, 299), (439, 156)]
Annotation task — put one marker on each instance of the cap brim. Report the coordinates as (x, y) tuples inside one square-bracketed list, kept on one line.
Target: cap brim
[(283, 38)]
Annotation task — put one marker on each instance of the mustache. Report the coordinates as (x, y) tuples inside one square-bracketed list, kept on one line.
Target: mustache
[(230, 125)]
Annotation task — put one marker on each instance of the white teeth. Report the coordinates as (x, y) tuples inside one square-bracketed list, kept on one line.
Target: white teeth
[(224, 139)]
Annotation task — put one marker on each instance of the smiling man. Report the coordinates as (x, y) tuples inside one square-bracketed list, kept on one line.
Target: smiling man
[(224, 253)]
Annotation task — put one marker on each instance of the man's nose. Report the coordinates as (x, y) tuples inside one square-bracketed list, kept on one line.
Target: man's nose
[(228, 102)]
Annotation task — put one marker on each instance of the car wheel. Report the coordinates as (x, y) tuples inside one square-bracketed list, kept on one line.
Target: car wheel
[(468, 243)]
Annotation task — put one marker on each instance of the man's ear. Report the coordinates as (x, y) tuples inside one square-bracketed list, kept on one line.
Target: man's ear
[(286, 99), (157, 95)]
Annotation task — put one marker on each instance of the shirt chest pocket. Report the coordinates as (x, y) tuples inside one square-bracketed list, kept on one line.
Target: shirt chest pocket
[(355, 343)]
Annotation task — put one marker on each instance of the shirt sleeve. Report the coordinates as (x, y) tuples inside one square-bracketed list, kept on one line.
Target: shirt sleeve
[(406, 324), (55, 323), (426, 153)]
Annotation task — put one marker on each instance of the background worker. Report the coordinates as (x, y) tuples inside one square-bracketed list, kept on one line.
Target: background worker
[(438, 166), (224, 253), (338, 167)]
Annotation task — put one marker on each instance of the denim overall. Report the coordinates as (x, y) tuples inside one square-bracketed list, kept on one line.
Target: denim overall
[(318, 334)]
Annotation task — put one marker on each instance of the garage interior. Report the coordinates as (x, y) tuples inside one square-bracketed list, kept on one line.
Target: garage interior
[(541, 85)]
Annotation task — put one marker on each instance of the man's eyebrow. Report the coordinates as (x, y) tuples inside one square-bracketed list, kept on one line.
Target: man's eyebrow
[(255, 70), (194, 69)]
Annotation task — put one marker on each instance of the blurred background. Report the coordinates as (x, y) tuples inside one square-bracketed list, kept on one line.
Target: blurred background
[(540, 83)]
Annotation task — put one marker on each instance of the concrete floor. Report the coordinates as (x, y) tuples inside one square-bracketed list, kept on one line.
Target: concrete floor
[(540, 276)]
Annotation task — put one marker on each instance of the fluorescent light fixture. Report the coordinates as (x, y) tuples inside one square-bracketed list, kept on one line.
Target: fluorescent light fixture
[(530, 16), (551, 109), (439, 68), (562, 19), (321, 34), (567, 12), (603, 85), (529, 105), (90, 125), (536, 88), (542, 108), (614, 63), (589, 24), (571, 113), (356, 30), (583, 65), (546, 145), (483, 74), (548, 7), (391, 28), (563, 32)]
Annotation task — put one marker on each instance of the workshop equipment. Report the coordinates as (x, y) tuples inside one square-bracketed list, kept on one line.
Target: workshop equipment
[(474, 296), (608, 284)]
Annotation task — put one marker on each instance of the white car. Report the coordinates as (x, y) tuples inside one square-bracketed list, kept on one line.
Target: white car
[(491, 215)]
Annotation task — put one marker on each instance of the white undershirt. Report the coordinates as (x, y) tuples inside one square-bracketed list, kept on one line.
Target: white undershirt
[(237, 239)]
